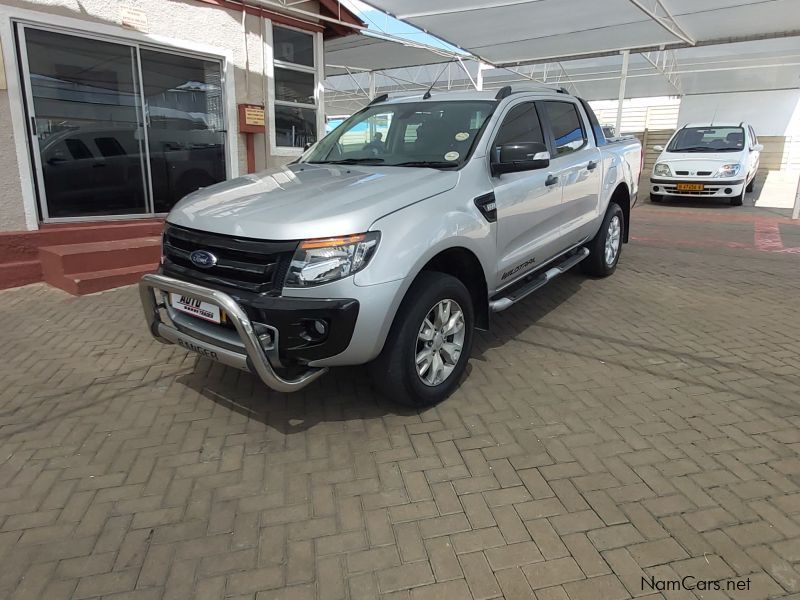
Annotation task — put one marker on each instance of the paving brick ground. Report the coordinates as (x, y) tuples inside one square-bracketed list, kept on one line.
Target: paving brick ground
[(640, 427)]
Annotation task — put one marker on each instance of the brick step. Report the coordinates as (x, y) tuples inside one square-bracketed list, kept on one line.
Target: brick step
[(22, 272), (24, 245), (98, 256), (88, 283)]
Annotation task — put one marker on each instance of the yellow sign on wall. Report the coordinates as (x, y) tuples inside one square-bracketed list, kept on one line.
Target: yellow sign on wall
[(254, 115)]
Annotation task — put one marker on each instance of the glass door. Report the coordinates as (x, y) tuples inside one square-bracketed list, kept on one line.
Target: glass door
[(119, 129), (185, 125), (86, 125)]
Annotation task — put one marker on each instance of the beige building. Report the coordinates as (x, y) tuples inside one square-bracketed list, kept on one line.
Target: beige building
[(114, 109)]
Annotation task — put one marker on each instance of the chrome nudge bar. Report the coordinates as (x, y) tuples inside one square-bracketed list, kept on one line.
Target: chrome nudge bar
[(154, 291)]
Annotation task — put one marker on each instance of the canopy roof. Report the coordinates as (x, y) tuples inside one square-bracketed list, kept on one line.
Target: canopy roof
[(519, 32), (370, 51), (744, 66)]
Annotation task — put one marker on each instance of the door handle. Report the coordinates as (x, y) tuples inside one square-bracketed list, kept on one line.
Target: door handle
[(551, 180), (592, 165)]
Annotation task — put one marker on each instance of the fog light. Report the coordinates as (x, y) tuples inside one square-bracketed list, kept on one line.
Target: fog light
[(728, 190), (656, 188), (314, 330), (265, 335)]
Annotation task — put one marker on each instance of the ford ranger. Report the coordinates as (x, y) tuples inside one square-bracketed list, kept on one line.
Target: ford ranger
[(717, 160), (393, 238)]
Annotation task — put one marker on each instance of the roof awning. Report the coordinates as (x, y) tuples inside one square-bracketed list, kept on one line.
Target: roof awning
[(372, 52), (519, 32)]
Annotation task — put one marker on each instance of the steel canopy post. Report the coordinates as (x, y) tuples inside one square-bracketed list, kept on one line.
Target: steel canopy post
[(626, 55)]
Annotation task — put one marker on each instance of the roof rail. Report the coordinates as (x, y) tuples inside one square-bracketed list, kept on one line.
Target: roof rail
[(378, 99), (503, 92), (507, 90)]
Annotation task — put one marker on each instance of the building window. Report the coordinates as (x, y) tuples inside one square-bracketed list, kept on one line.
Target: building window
[(295, 107)]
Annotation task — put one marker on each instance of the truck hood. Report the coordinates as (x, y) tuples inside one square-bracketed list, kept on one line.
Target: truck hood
[(302, 200), (697, 161)]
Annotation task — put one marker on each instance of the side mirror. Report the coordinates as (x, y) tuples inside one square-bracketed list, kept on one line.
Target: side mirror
[(520, 156), (758, 147), (658, 148)]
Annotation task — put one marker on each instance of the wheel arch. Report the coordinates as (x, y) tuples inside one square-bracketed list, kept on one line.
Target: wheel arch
[(622, 197), (463, 264)]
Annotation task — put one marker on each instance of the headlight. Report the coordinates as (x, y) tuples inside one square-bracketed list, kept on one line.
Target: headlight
[(324, 260), (662, 170), (729, 170)]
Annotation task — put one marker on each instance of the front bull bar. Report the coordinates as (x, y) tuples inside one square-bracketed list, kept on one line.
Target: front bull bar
[(154, 291)]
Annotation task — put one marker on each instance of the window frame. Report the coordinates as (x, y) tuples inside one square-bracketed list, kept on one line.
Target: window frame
[(551, 135), (293, 151)]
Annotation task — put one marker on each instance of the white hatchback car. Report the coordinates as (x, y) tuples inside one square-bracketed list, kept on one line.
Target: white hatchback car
[(709, 160)]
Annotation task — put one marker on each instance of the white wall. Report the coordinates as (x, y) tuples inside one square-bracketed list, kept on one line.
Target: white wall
[(770, 113)]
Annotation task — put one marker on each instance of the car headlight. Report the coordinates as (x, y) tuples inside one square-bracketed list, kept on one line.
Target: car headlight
[(324, 260), (731, 170), (662, 170)]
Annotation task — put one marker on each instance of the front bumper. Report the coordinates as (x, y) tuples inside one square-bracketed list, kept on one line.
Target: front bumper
[(258, 347), (725, 188)]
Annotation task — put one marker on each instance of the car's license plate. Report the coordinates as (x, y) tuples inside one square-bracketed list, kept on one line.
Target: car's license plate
[(197, 308), (691, 187)]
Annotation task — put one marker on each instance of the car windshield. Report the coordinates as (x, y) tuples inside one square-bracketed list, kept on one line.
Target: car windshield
[(408, 134), (707, 139)]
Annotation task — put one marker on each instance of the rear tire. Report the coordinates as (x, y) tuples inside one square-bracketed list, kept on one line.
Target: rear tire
[(738, 200), (605, 248), (425, 338), (656, 198)]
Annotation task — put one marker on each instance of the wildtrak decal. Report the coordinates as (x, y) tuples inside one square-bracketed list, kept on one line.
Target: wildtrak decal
[(518, 268)]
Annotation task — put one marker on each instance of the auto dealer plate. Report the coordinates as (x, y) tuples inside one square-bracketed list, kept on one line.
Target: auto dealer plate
[(691, 187), (196, 308)]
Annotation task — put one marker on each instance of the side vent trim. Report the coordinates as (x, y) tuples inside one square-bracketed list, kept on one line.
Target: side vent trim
[(488, 207)]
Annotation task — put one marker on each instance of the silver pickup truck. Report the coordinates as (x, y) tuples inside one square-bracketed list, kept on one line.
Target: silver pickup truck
[(393, 238)]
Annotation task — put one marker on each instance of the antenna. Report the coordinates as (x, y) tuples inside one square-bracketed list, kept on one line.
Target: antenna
[(714, 117), (428, 93)]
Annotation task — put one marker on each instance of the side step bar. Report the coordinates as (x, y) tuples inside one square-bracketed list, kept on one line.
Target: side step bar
[(534, 284)]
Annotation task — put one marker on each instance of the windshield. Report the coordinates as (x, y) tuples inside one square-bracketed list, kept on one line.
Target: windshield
[(414, 134), (708, 139)]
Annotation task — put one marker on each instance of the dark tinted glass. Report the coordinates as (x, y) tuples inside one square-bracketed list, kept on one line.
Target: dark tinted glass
[(521, 124), (295, 126), (183, 98), (83, 89), (293, 46), (566, 126), (294, 86)]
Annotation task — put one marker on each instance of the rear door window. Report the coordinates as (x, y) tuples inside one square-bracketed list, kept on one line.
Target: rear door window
[(566, 126)]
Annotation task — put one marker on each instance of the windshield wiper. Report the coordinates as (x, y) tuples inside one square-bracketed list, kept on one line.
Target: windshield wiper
[(433, 164), (348, 161)]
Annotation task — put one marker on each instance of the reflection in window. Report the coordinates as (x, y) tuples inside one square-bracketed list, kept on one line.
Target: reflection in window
[(566, 125), (186, 137), (293, 46), (294, 126), (78, 149), (294, 82)]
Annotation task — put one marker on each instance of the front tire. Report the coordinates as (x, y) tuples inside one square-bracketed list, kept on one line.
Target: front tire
[(429, 344), (751, 185), (605, 248), (738, 200)]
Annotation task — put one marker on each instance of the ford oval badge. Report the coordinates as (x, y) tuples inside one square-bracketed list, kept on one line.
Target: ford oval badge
[(203, 259)]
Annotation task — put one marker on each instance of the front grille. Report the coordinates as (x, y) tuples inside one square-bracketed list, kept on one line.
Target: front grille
[(244, 263), (699, 173)]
